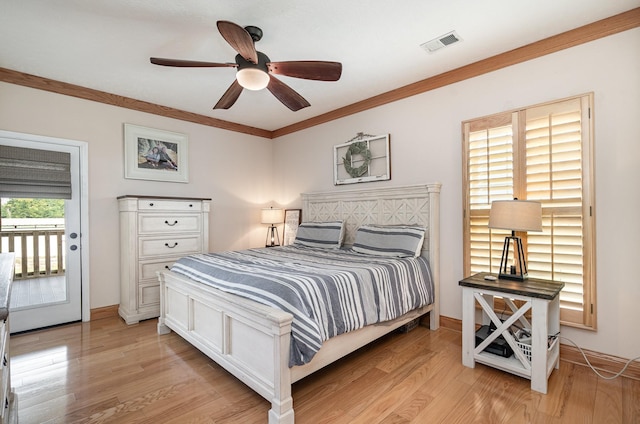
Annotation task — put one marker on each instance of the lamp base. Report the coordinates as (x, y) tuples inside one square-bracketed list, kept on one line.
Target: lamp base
[(273, 240), (518, 271), (516, 277)]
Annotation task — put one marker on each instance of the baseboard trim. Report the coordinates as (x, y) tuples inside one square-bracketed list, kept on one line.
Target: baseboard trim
[(605, 364), (451, 323), (104, 312)]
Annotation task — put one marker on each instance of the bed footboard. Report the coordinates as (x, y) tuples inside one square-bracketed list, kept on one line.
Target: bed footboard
[(249, 340)]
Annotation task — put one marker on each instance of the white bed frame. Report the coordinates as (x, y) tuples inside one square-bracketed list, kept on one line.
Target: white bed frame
[(251, 340)]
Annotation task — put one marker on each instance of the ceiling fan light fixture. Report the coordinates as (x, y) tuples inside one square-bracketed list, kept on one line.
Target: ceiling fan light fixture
[(252, 78), (254, 68)]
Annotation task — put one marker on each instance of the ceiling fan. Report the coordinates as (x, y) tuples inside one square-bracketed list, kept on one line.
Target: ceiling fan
[(255, 69)]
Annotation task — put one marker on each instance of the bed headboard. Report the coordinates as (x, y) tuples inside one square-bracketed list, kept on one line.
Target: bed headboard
[(404, 205)]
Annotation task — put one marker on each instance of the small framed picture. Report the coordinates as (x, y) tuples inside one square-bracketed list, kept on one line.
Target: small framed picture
[(157, 155), (292, 218)]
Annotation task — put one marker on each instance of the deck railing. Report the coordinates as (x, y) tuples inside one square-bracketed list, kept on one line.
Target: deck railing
[(39, 251)]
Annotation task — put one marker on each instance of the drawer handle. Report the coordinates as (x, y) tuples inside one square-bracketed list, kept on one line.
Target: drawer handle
[(171, 247), (171, 225), (190, 205), (167, 267), (4, 361), (150, 204)]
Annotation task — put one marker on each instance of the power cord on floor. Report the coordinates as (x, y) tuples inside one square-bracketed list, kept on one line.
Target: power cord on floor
[(596, 371)]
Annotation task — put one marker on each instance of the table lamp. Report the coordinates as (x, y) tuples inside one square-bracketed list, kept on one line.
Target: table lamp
[(272, 216), (515, 215)]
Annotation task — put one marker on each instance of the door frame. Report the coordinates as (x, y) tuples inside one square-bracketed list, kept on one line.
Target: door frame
[(83, 147)]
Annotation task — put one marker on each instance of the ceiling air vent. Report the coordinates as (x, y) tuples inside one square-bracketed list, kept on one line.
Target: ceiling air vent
[(440, 42)]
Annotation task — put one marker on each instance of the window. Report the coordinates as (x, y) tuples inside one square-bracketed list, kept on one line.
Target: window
[(541, 153)]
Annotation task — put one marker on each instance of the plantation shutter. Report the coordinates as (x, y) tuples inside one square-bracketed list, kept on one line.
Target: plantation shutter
[(541, 153), (555, 177), (34, 173), (490, 177)]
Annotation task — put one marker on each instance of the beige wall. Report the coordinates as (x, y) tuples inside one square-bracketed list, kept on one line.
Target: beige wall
[(426, 146), (233, 169), (236, 169)]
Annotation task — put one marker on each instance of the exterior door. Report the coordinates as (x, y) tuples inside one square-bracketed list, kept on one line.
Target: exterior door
[(67, 304)]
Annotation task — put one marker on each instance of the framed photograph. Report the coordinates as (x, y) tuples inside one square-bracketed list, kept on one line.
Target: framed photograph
[(157, 155), (365, 158), (292, 218)]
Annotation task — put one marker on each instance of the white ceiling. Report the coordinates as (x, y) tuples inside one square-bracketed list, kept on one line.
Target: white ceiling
[(106, 44)]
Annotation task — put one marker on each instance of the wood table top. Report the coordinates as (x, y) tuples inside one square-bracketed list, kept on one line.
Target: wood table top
[(531, 287)]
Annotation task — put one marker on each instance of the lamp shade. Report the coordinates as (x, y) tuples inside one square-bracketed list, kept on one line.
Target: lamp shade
[(252, 78), (516, 215), (272, 216)]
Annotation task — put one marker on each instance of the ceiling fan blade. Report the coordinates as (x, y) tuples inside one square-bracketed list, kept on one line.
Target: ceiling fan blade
[(190, 63), (308, 69), (287, 95), (230, 96), (239, 39)]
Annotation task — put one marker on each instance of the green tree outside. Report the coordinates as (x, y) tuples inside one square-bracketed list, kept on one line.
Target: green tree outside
[(32, 208)]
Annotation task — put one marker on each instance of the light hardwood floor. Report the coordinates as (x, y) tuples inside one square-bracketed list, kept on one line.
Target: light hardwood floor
[(107, 372)]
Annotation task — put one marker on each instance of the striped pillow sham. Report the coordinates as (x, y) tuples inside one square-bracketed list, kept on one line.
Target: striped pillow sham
[(393, 241), (320, 234)]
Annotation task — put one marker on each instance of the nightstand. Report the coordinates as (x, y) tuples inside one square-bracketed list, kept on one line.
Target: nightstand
[(534, 357)]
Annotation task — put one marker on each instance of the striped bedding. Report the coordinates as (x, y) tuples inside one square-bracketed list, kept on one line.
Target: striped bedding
[(328, 291)]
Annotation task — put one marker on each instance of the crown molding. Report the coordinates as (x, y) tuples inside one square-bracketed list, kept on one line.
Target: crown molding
[(59, 87), (599, 29)]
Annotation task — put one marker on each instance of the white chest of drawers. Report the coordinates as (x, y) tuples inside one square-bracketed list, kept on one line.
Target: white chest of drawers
[(154, 233)]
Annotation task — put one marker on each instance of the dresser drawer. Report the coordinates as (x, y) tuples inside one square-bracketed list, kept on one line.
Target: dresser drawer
[(169, 246), (147, 269), (148, 295), (169, 223), (4, 393), (169, 205), (4, 335), (5, 381)]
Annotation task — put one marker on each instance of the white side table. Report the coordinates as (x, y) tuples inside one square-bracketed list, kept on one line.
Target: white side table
[(535, 361)]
